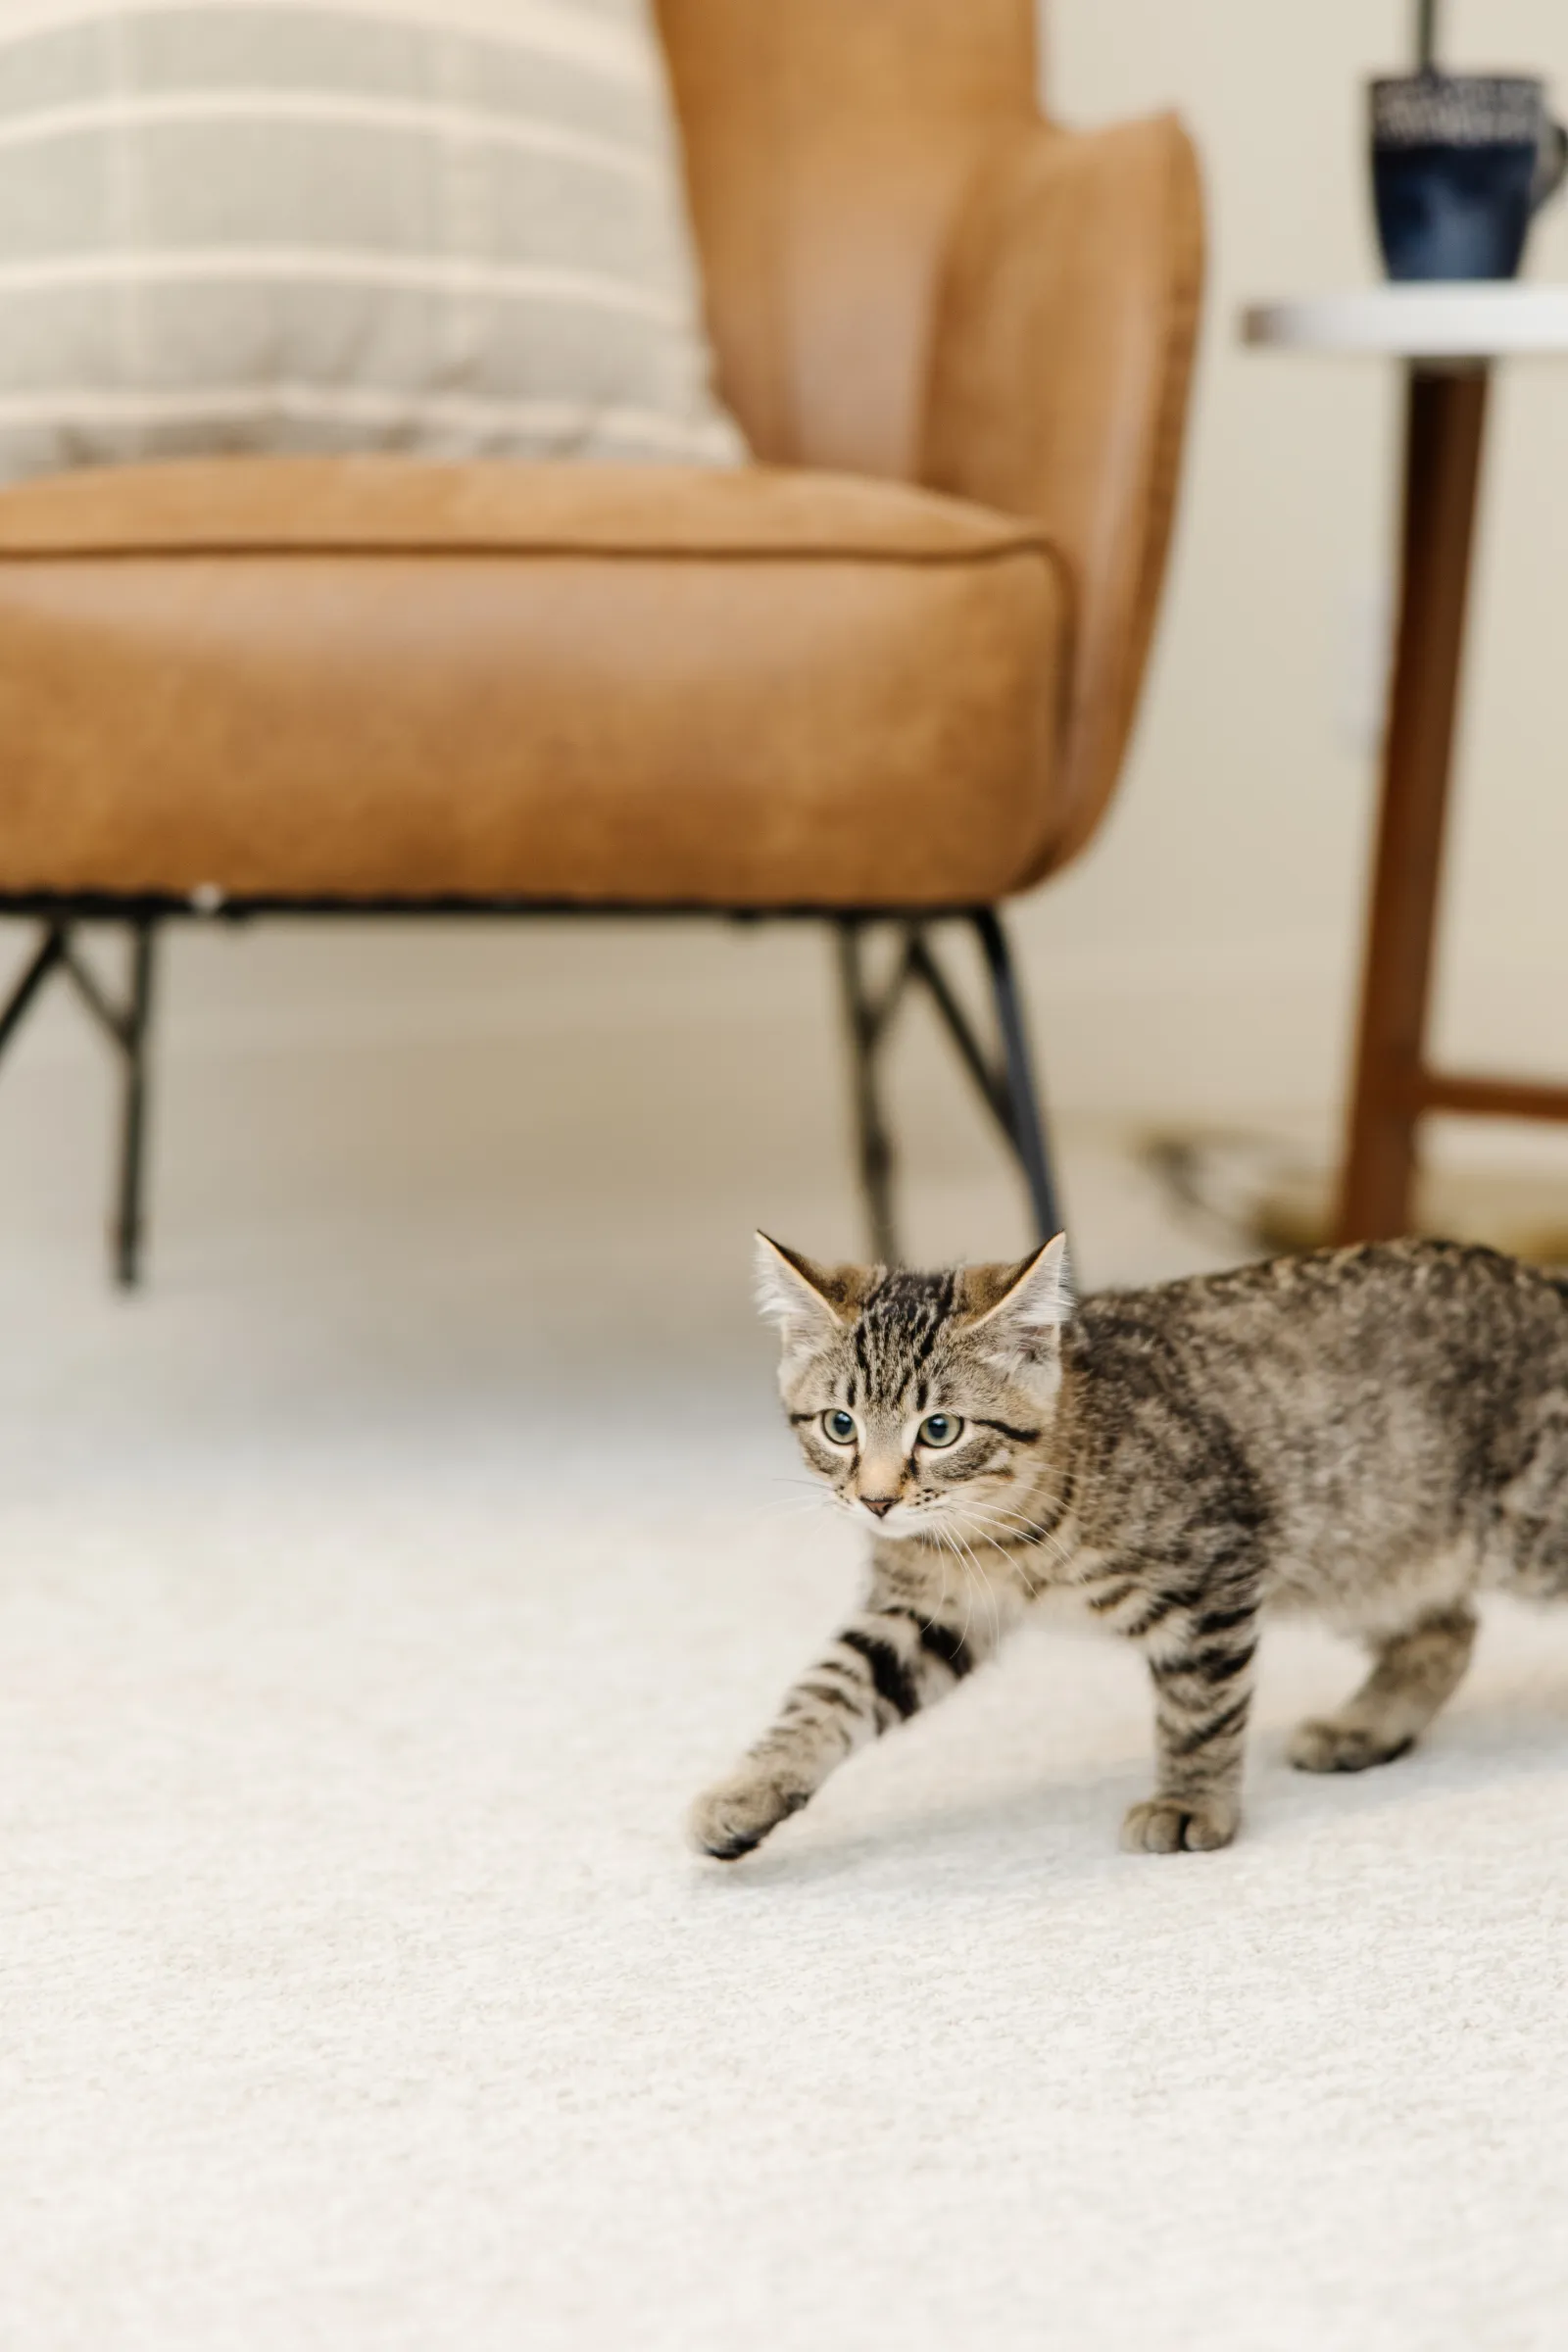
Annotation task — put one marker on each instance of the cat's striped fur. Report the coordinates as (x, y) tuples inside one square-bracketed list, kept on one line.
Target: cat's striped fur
[(1372, 1434)]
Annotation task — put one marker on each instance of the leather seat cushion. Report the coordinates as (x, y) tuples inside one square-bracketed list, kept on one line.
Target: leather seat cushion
[(369, 677)]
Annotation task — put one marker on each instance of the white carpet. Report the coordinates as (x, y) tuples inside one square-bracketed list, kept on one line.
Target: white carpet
[(377, 1591)]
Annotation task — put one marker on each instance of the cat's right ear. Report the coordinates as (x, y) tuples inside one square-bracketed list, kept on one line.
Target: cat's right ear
[(1023, 1306), (809, 1302)]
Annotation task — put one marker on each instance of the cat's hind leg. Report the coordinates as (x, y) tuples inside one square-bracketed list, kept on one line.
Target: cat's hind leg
[(1413, 1673)]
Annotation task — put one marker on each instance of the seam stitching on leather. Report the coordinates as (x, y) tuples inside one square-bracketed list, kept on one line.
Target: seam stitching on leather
[(371, 551)]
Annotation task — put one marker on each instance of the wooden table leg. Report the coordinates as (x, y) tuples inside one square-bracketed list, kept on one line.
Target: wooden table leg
[(1443, 456)]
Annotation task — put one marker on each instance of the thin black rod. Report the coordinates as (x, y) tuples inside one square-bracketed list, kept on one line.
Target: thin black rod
[(1426, 35), (879, 1010), (1028, 1129), (927, 969), (51, 950), (865, 1027), (86, 985), (128, 1234)]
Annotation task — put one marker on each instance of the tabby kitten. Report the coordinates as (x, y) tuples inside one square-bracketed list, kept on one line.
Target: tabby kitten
[(1374, 1433)]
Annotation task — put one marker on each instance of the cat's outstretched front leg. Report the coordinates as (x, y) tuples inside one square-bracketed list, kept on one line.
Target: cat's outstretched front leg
[(1200, 1659), (881, 1668)]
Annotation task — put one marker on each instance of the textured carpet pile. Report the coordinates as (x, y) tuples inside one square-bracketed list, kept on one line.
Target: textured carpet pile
[(377, 1593)]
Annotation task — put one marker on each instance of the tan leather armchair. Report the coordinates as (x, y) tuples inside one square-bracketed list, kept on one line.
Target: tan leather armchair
[(887, 672)]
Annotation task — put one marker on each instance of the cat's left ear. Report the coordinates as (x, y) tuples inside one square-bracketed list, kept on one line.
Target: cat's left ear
[(1023, 1305)]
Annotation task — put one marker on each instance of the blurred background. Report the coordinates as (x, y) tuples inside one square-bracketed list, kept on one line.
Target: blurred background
[(1195, 971)]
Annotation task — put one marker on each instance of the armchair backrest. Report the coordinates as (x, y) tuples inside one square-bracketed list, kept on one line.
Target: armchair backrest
[(826, 145)]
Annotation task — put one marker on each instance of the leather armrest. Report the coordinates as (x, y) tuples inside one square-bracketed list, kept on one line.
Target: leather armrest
[(1063, 346)]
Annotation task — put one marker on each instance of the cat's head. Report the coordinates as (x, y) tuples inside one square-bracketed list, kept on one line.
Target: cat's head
[(923, 1400)]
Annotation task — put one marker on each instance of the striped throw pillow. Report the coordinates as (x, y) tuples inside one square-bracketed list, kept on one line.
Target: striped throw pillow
[(452, 228)]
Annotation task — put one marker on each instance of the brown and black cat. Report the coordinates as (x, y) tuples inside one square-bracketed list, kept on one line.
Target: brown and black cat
[(1371, 1433)]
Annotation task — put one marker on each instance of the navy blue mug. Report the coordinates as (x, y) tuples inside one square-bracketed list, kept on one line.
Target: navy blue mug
[(1460, 165)]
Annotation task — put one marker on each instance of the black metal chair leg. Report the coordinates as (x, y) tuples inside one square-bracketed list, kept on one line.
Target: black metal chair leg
[(1023, 1100), (50, 951), (127, 1231), (863, 1021)]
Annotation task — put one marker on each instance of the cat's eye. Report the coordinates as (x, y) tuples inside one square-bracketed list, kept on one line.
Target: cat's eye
[(938, 1429), (839, 1427)]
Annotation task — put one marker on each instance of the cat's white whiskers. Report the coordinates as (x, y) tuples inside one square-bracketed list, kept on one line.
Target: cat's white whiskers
[(981, 1581), (1029, 1531), (942, 1601), (968, 1583), (972, 1521), (1010, 1511), (1015, 1566), (794, 1503)]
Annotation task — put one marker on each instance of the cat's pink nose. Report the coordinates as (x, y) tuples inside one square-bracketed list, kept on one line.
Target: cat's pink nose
[(880, 1504)]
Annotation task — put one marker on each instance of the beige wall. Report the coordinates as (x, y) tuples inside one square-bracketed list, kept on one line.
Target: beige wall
[(1204, 953)]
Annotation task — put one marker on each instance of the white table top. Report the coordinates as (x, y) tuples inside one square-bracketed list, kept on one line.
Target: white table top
[(1431, 322)]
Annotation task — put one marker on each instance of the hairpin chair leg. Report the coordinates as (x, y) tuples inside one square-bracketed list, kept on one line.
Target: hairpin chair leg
[(1026, 1121), (864, 1019), (127, 1025), (1004, 1079), (47, 956), (127, 1228)]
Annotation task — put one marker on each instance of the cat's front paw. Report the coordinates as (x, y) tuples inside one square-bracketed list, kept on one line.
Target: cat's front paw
[(1173, 1825), (734, 1815)]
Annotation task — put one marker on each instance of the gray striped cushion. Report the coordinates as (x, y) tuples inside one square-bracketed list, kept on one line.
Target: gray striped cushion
[(449, 227)]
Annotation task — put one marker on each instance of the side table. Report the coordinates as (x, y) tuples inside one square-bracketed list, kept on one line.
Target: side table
[(1448, 336)]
